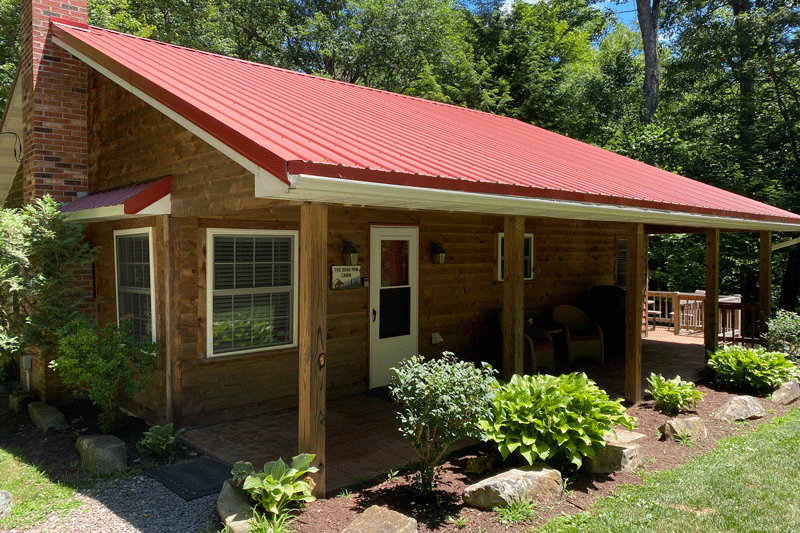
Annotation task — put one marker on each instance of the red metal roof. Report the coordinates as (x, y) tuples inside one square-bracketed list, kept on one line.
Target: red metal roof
[(289, 123), (133, 198)]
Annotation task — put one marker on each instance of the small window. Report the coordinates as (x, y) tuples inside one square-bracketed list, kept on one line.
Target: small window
[(527, 256), (622, 263), (252, 290), (134, 267)]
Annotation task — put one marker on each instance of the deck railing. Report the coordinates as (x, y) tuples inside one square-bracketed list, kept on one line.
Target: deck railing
[(682, 311)]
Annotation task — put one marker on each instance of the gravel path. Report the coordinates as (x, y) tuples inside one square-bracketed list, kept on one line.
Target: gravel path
[(134, 505)]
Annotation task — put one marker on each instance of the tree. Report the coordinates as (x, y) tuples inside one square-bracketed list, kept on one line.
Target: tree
[(648, 13)]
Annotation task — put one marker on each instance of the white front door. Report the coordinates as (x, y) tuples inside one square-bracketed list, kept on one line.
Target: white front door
[(393, 297)]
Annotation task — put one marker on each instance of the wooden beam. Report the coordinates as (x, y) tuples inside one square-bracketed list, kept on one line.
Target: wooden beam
[(513, 297), (313, 334), (765, 279), (172, 304), (634, 302), (711, 303)]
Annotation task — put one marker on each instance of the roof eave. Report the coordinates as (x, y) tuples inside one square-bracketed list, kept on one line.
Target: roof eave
[(12, 123), (345, 191)]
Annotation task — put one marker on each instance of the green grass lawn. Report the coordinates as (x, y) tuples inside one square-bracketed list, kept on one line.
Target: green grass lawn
[(33, 495), (748, 484)]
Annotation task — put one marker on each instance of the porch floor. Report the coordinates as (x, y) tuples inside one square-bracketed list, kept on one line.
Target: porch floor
[(362, 438)]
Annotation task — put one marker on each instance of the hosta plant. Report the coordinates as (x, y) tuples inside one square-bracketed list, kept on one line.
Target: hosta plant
[(279, 488), (159, 440), (673, 395), (750, 371), (559, 420), (441, 401)]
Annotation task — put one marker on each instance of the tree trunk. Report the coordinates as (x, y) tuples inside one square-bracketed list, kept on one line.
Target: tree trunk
[(648, 22), (791, 281)]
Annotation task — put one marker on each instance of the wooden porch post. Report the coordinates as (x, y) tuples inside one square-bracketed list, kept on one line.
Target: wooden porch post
[(313, 332), (513, 297), (634, 300), (711, 303), (765, 279)]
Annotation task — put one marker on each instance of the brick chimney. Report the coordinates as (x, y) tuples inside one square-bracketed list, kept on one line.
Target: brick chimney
[(54, 103)]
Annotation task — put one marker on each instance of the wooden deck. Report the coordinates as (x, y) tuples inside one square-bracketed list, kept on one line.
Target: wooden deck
[(362, 436)]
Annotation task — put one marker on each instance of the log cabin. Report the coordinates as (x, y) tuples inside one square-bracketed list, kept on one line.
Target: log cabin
[(286, 238)]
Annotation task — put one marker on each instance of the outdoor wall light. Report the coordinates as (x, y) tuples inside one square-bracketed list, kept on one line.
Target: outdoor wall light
[(350, 254), (437, 253)]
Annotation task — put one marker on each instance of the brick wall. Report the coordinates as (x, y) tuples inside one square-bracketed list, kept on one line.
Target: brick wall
[(54, 104)]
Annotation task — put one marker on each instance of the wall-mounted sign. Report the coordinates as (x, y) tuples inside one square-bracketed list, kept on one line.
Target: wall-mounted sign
[(345, 277)]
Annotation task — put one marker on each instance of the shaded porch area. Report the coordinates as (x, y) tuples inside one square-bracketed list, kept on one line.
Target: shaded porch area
[(362, 440)]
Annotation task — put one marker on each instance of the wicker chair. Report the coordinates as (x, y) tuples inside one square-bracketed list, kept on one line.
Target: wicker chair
[(540, 349), (584, 337)]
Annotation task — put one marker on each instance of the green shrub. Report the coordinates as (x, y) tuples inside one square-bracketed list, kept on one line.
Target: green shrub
[(783, 333), (279, 489), (159, 440), (555, 419), (750, 371), (109, 366), (673, 395), (441, 401)]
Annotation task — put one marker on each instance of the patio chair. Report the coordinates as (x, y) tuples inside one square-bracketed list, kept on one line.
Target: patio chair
[(540, 351), (584, 337)]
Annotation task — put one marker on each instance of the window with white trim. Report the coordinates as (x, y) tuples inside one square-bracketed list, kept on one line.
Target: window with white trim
[(134, 270), (527, 256), (252, 290)]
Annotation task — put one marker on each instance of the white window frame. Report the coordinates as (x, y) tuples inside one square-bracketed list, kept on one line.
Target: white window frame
[(527, 276), (133, 232), (210, 233)]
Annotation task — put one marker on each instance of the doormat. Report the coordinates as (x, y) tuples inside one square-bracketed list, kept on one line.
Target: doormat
[(193, 479), (381, 393)]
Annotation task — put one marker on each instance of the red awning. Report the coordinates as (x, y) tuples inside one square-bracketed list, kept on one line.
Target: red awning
[(142, 199)]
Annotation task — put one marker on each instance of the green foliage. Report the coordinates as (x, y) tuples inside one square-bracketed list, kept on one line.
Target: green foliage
[(441, 401), (520, 510), (783, 333), (109, 365), (278, 489), (673, 395), (264, 523), (40, 255), (555, 419), (159, 440), (751, 371)]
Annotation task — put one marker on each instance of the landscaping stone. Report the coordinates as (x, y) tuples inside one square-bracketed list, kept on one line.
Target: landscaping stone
[(381, 520), (19, 400), (102, 454), (624, 435), (478, 465), (536, 482), (233, 507), (788, 393), (46, 417), (615, 457), (5, 503), (740, 408), (692, 428)]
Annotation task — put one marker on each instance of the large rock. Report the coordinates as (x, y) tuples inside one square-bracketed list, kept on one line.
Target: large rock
[(5, 503), (381, 520), (692, 428), (788, 393), (615, 457), (102, 454), (740, 408), (46, 417), (537, 482), (19, 400), (233, 507)]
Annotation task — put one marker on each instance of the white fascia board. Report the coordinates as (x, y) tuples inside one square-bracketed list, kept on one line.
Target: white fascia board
[(342, 191), (263, 178), (785, 244), (117, 212)]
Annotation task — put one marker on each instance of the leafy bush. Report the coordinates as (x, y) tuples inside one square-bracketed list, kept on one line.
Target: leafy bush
[(555, 419), (783, 333), (109, 366), (441, 401), (159, 440), (750, 371), (278, 489), (673, 395)]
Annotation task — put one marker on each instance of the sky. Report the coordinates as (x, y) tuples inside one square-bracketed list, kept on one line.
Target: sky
[(625, 11)]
